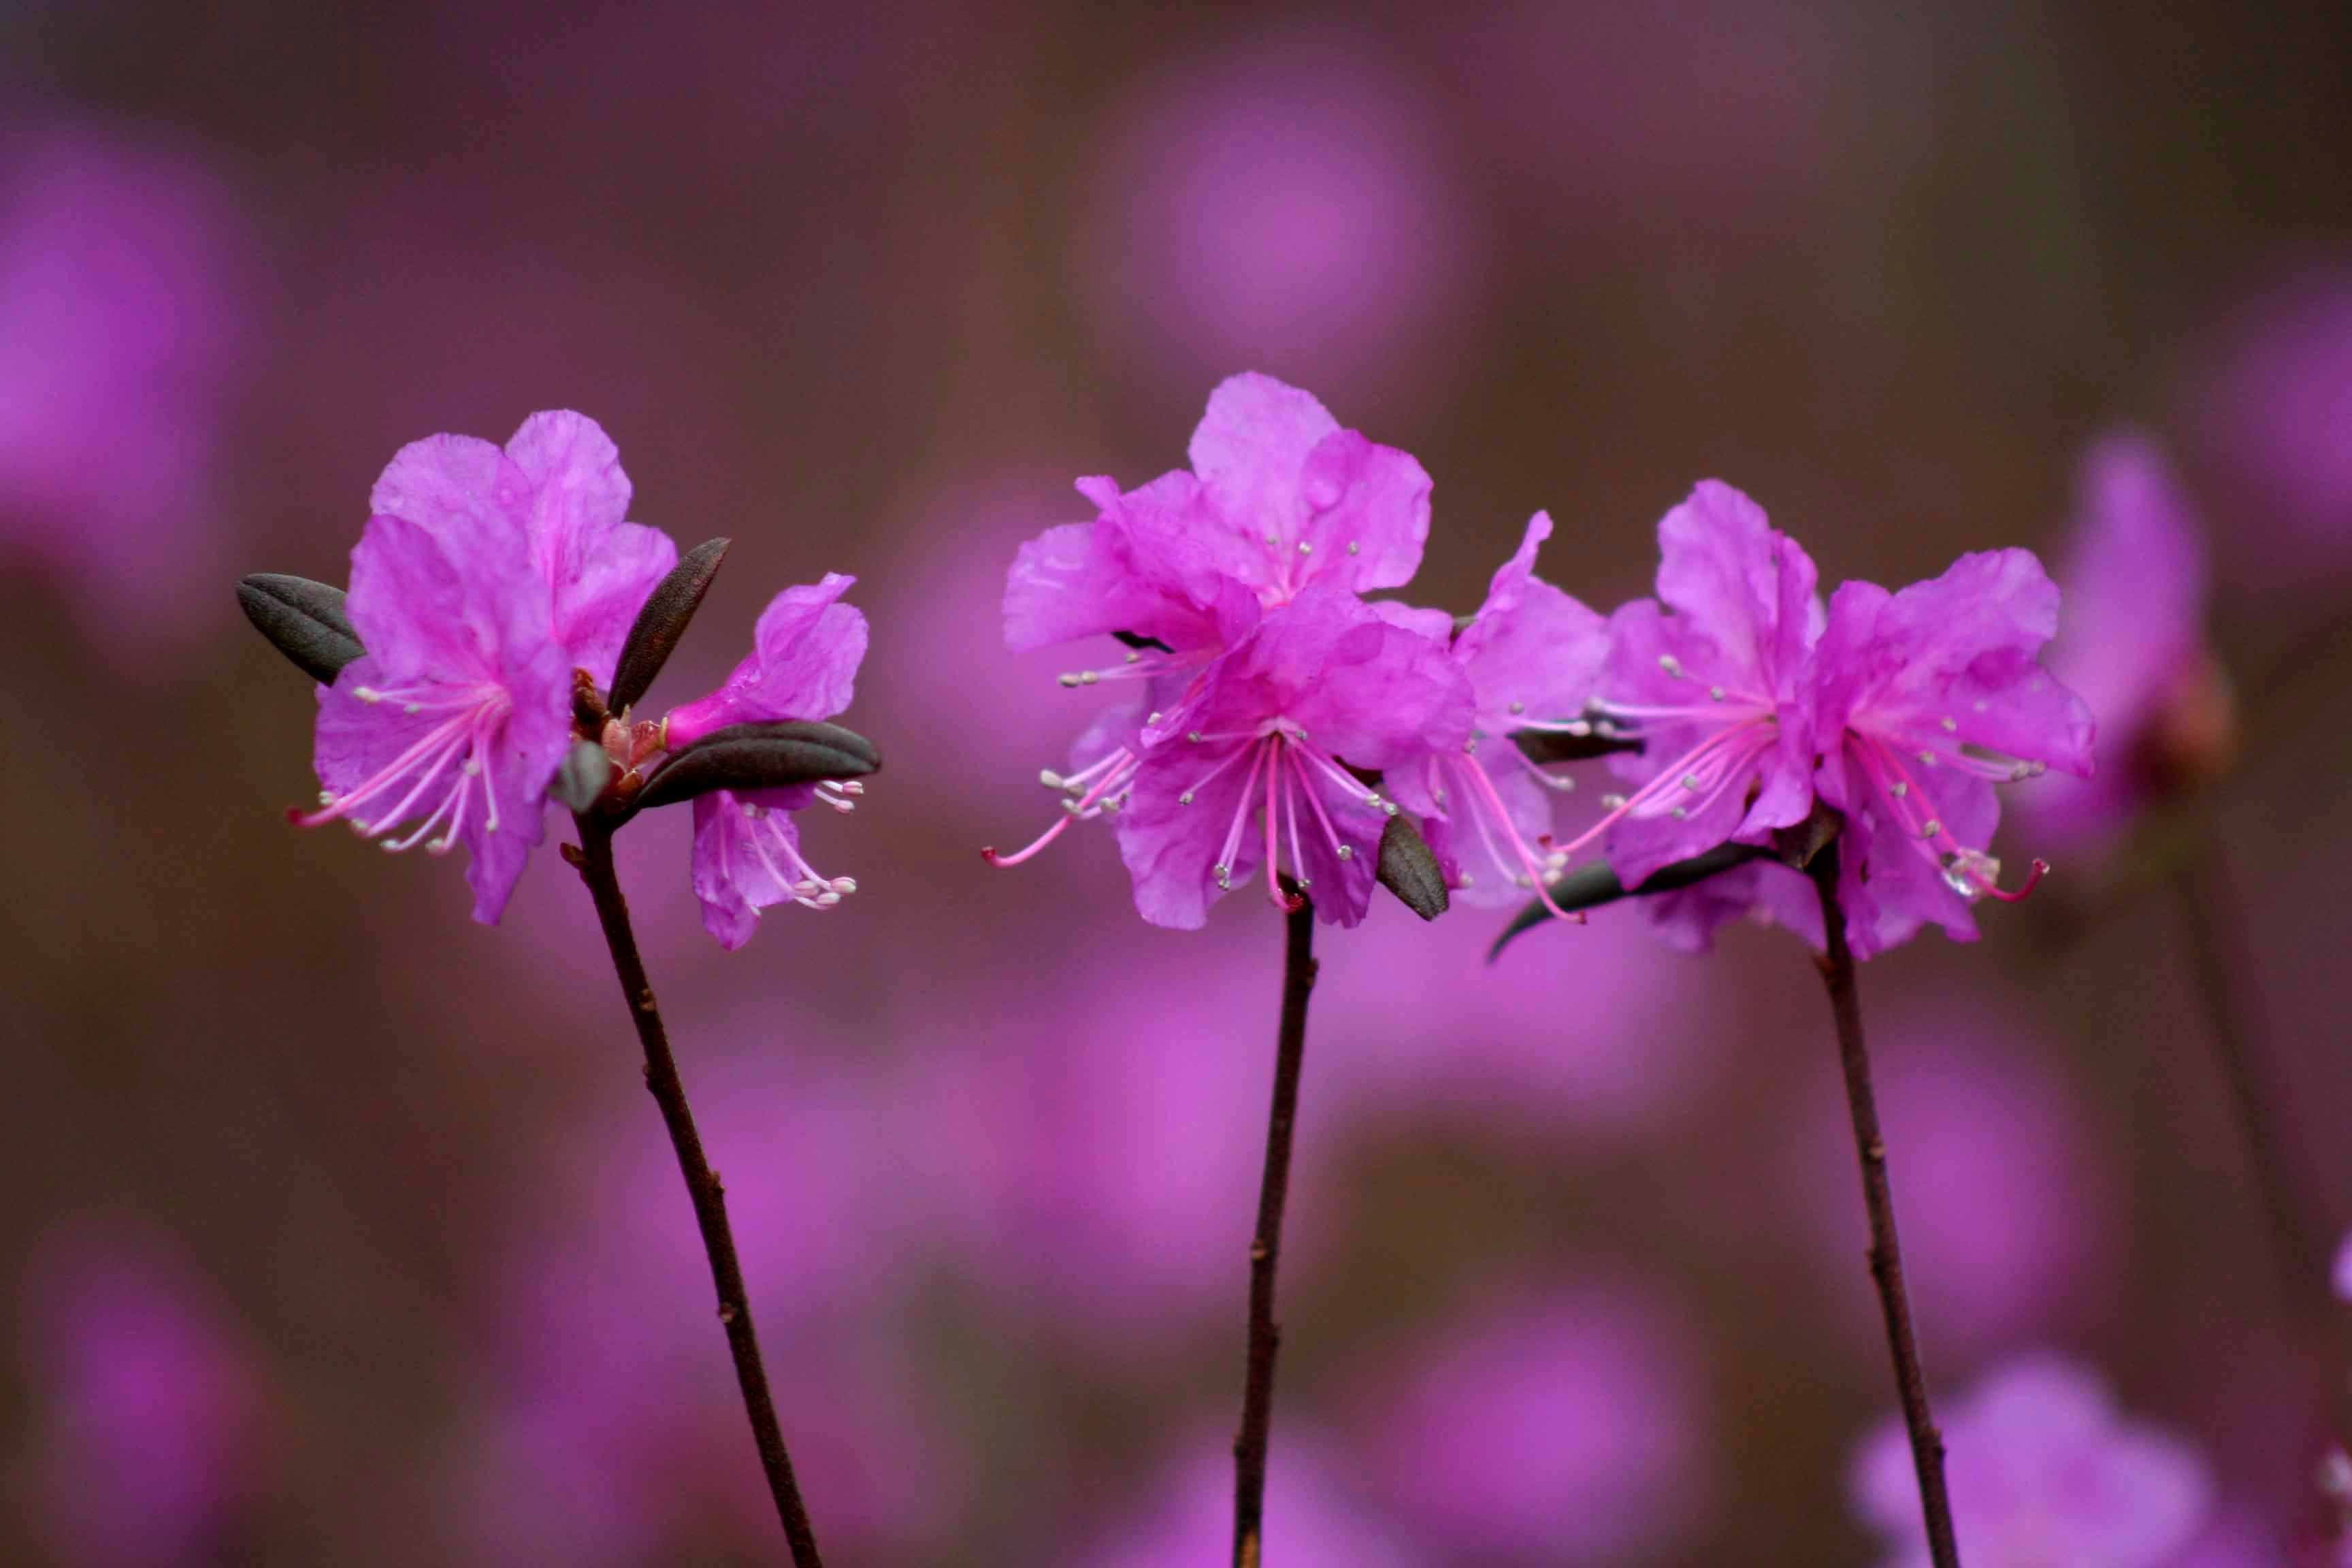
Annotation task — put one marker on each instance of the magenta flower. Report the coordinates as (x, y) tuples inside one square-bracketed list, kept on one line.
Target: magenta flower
[(1253, 771), (747, 852), (1282, 510), (2344, 1268), (2132, 643), (2044, 1469), (1544, 1428), (1533, 655), (1712, 676), (483, 580), (1924, 698)]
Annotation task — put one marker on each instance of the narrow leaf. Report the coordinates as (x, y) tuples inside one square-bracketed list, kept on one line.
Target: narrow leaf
[(662, 621), (1551, 746), (762, 756), (1141, 644), (303, 620), (1590, 887), (1409, 870)]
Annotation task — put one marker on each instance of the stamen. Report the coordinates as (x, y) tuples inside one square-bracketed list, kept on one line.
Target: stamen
[(1224, 867)]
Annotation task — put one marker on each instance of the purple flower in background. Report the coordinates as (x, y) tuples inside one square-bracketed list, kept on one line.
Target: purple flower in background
[(2344, 1268), (1561, 1429), (1532, 655), (1253, 771), (2044, 1469), (1289, 198), (2272, 410), (123, 301), (2132, 643), (143, 1441), (484, 578), (2007, 1197), (1315, 1513), (1924, 699), (1711, 675), (747, 852), (1243, 572)]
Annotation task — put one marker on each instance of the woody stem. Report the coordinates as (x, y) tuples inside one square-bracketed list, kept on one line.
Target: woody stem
[(1264, 1336), (594, 860), (1837, 969)]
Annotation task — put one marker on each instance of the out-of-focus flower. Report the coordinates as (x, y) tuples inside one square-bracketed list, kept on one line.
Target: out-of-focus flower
[(1268, 670), (122, 305), (144, 1437), (1316, 1512), (611, 1430), (2044, 1469), (747, 852), (483, 580), (2344, 1268), (1554, 1428), (2132, 645), (1290, 201), (1924, 699), (2003, 1188), (1532, 655), (2272, 411)]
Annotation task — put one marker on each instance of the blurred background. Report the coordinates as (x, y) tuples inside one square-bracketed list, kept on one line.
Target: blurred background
[(339, 1228)]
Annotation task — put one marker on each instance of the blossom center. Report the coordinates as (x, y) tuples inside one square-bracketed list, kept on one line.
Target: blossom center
[(449, 765)]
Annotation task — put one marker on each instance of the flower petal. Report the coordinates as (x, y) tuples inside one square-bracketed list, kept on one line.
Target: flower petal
[(1744, 587), (803, 665), (1532, 651)]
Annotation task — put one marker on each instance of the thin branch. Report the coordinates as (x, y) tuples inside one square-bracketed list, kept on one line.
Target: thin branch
[(1264, 1337), (1886, 1252), (594, 859)]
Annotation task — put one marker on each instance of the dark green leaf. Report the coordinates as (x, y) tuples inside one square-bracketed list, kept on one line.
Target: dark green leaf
[(1409, 870), (1590, 887), (1143, 644), (1551, 746), (762, 756), (662, 621), (303, 620)]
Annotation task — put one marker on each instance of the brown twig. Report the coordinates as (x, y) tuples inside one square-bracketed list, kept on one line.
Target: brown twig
[(594, 857), (1885, 1253), (1264, 1337)]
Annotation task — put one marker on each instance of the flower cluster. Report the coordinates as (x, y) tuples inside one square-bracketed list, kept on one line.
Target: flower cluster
[(1282, 714), (1281, 718), (493, 591), (1757, 706)]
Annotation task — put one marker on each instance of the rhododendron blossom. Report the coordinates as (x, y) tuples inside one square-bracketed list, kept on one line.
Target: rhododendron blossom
[(484, 579), (1532, 655), (747, 852), (1229, 583)]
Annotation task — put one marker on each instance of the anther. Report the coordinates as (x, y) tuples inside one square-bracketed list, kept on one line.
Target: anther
[(1154, 718), (410, 707), (1067, 678), (1950, 724), (1715, 693), (472, 767), (1682, 813), (1272, 542), (326, 797), (1225, 876), (1612, 803), (1347, 852), (1133, 656), (1193, 736), (1899, 791), (845, 884), (1931, 828), (1671, 665), (1518, 707), (1088, 678), (1050, 779), (1184, 799), (367, 694), (1927, 759), (1354, 548), (1691, 783), (1305, 548), (1389, 806)]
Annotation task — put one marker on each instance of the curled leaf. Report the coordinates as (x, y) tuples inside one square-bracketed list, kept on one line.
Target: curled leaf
[(303, 620), (1409, 870), (762, 756), (663, 621), (1588, 886)]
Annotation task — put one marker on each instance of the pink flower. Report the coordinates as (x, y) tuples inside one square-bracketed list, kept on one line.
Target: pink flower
[(483, 580), (1900, 710), (1711, 674), (2044, 1469), (1924, 698), (1253, 771), (2132, 643), (1533, 655), (747, 852), (1261, 666)]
